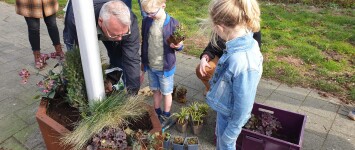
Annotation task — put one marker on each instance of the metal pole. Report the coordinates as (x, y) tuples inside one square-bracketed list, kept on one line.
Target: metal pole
[(89, 48)]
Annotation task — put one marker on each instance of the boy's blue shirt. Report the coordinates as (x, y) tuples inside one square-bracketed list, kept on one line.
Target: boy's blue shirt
[(169, 53)]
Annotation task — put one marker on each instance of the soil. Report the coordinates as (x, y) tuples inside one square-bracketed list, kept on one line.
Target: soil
[(63, 113), (144, 124)]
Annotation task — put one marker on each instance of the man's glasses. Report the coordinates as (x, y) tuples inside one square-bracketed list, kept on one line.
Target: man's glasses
[(152, 14), (119, 35)]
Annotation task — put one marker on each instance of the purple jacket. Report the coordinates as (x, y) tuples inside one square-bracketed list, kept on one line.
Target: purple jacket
[(169, 53)]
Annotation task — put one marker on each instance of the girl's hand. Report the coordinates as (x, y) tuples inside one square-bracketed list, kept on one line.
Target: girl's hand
[(203, 65), (172, 45)]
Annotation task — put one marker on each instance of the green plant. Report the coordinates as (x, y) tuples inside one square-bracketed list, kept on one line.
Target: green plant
[(178, 35), (178, 140), (166, 136), (203, 108), (196, 118), (112, 112), (192, 141), (183, 115), (73, 73)]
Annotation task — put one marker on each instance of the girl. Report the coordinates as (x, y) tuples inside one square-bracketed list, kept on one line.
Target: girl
[(238, 72)]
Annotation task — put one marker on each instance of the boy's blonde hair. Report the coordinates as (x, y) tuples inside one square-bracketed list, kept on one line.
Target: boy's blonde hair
[(149, 4)]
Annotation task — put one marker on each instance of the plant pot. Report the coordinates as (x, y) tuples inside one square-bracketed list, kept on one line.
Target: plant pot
[(181, 127), (166, 144), (52, 131), (196, 129), (293, 125), (174, 40), (191, 146), (181, 98), (178, 146)]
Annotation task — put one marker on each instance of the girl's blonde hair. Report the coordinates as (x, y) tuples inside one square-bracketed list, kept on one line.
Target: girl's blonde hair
[(236, 12), (149, 4)]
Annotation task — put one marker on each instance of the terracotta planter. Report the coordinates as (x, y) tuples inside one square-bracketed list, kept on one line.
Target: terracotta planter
[(52, 130)]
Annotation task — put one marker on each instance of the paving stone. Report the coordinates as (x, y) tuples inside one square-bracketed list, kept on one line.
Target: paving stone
[(185, 71), (266, 87), (10, 125), (338, 141), (30, 136), (193, 82), (10, 105), (40, 146), (320, 107), (29, 95), (260, 99), (177, 79), (283, 102), (28, 114), (12, 144), (318, 124), (344, 110), (314, 93), (293, 92), (344, 125), (312, 141), (191, 61)]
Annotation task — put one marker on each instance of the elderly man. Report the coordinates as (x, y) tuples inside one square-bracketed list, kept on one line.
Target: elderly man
[(117, 28)]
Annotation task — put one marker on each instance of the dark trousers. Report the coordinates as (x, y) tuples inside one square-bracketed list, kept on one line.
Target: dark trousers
[(33, 31)]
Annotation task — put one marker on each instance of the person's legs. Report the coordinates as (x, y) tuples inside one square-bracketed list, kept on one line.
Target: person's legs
[(34, 38), (33, 32), (209, 71), (166, 88), (222, 123), (155, 87), (54, 34)]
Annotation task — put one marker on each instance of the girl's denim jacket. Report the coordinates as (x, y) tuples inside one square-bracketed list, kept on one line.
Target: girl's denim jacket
[(234, 83)]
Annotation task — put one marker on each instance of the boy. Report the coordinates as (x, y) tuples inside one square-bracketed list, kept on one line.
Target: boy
[(158, 56)]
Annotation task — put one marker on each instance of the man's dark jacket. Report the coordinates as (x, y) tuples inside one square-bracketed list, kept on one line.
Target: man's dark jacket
[(123, 54)]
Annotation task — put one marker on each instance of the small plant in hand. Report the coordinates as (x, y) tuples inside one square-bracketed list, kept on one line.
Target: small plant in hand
[(177, 36), (267, 124), (113, 138)]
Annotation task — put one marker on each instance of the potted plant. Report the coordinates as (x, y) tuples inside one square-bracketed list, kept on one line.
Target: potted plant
[(177, 36), (181, 95), (203, 108), (109, 138), (196, 122), (272, 127), (178, 143), (182, 119), (192, 143), (116, 111), (166, 143)]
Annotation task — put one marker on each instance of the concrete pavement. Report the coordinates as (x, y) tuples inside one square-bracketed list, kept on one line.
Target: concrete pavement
[(327, 126)]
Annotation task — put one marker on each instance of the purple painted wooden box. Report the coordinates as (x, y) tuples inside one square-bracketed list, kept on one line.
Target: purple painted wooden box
[(293, 125)]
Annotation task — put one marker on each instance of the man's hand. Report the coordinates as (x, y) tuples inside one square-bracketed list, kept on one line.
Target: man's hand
[(172, 45), (203, 65)]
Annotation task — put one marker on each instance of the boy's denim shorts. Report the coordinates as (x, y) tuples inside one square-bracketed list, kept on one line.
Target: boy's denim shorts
[(157, 81)]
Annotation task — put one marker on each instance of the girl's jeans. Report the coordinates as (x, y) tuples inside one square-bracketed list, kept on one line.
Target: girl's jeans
[(222, 122), (33, 31)]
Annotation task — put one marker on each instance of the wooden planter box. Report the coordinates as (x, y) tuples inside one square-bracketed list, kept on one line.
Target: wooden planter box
[(293, 125), (52, 130)]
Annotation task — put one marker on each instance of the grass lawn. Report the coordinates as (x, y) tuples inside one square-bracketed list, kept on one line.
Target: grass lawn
[(302, 45)]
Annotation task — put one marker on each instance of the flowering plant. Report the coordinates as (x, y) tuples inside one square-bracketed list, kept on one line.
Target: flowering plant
[(51, 80)]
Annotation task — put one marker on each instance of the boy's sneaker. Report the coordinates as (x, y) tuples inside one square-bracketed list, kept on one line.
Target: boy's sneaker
[(164, 120), (351, 115)]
